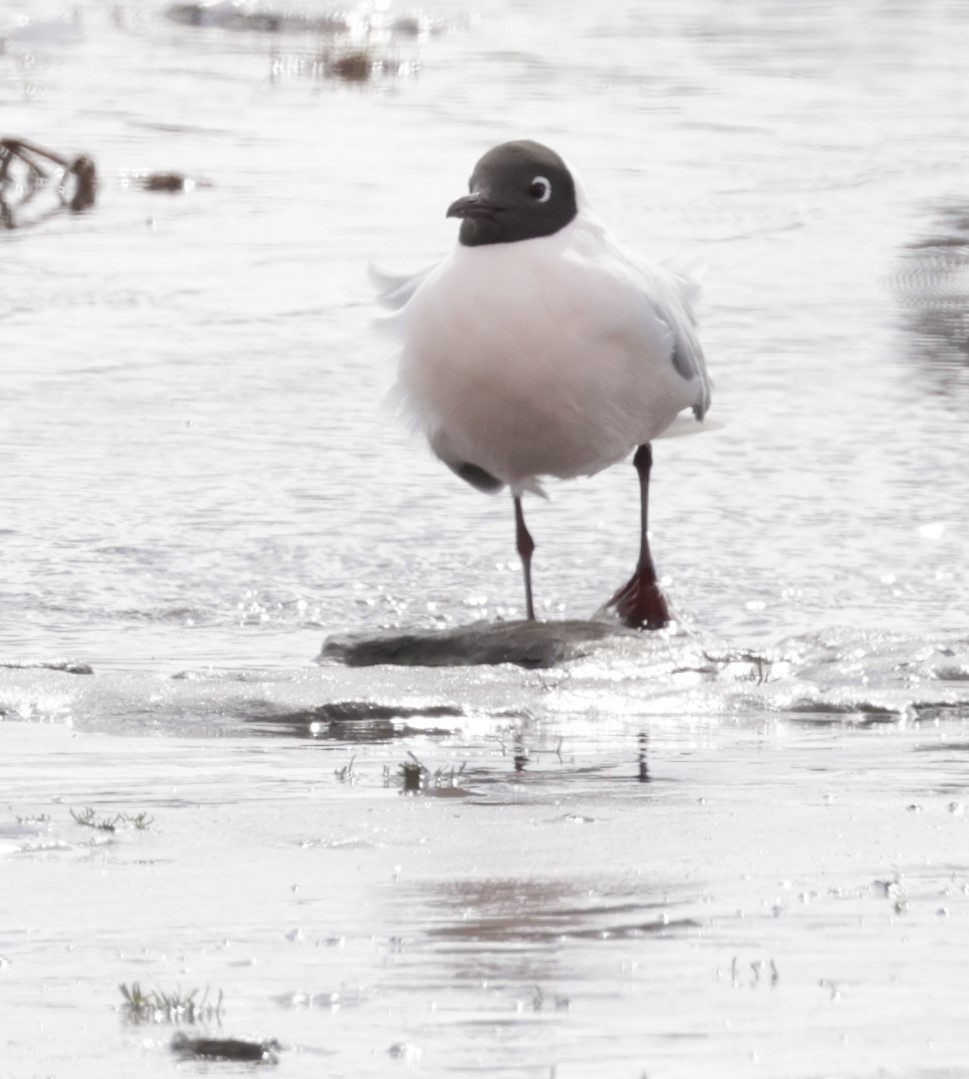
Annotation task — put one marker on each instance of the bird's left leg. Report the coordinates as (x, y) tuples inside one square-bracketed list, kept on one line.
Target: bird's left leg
[(640, 603), (525, 545)]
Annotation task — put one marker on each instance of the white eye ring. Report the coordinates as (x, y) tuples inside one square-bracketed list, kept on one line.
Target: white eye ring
[(540, 189)]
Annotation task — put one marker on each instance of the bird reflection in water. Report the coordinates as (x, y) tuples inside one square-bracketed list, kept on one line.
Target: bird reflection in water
[(932, 286)]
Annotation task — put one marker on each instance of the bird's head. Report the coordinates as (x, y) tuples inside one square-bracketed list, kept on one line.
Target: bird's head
[(518, 191)]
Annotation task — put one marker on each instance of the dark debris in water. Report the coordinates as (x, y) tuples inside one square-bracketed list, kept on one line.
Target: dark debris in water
[(228, 1049), (29, 172), (526, 644), (27, 169), (345, 63), (171, 183), (417, 778)]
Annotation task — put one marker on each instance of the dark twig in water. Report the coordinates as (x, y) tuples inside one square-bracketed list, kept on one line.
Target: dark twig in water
[(520, 759), (414, 774), (643, 758), (76, 183), (345, 774), (26, 170), (418, 777)]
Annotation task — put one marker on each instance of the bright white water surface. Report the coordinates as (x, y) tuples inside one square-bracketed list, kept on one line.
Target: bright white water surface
[(197, 478)]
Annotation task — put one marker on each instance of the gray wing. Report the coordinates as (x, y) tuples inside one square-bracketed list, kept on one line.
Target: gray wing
[(672, 298)]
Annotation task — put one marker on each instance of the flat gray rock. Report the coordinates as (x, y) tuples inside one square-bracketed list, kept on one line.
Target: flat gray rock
[(526, 644)]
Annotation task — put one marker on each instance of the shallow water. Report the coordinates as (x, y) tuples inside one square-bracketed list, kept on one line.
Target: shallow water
[(199, 479)]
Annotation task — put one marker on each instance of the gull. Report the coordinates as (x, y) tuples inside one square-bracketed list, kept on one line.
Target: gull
[(541, 347)]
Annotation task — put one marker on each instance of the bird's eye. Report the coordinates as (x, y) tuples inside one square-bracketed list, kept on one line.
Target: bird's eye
[(540, 189)]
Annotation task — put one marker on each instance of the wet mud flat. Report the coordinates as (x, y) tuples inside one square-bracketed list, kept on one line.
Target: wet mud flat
[(653, 857)]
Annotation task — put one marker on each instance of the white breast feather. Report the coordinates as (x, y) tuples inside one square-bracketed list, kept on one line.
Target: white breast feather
[(547, 357)]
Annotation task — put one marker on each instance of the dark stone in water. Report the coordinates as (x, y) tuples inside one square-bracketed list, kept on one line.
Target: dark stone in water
[(226, 1049), (354, 66), (171, 182), (526, 644)]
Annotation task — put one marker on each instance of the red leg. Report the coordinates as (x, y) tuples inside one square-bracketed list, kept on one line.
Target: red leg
[(526, 545), (640, 603)]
